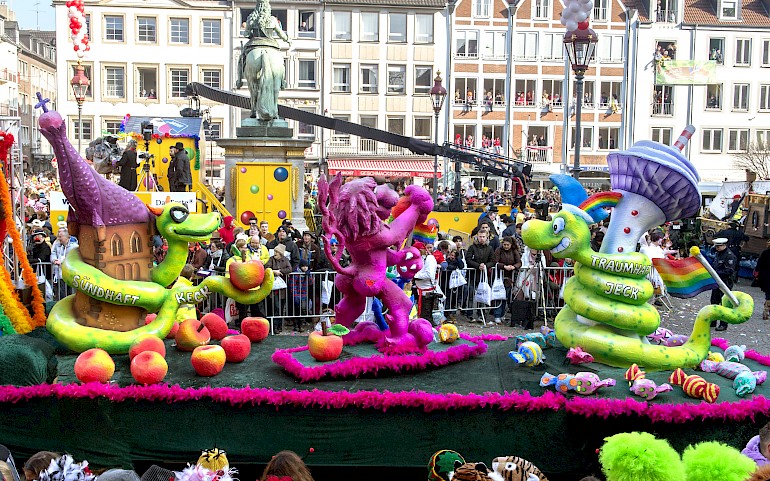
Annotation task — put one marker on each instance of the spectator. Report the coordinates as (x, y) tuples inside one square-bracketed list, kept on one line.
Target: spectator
[(282, 238), (38, 463), (310, 251), (63, 244), (293, 233), (258, 251), (508, 260), (300, 283), (725, 264), (286, 464), (264, 232), (226, 232), (219, 257), (758, 447), (479, 257), (457, 297), (160, 252), (510, 225), (197, 257), (253, 227), (281, 269), (39, 252), (128, 166), (334, 246), (179, 177)]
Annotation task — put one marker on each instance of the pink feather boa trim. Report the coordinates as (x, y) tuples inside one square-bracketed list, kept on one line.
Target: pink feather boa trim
[(750, 354), (378, 363)]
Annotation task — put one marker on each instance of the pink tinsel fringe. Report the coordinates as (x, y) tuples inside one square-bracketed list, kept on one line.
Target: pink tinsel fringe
[(377, 363), (750, 354)]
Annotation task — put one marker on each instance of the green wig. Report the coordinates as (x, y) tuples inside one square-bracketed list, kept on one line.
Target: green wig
[(639, 456), (712, 460)]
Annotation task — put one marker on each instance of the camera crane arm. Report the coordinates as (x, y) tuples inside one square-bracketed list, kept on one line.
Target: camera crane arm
[(487, 162)]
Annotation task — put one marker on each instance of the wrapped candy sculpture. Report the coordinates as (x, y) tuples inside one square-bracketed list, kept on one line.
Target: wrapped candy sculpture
[(744, 380), (529, 354), (695, 386), (643, 387), (581, 383)]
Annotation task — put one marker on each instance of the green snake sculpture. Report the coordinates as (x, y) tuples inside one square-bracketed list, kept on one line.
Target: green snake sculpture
[(606, 312), (175, 223)]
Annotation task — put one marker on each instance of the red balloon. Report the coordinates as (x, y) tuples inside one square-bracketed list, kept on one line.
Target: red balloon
[(70, 3), (583, 25), (246, 215)]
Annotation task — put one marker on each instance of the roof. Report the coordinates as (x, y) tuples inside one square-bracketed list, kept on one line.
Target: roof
[(703, 12), (382, 168), (641, 7), (391, 3)]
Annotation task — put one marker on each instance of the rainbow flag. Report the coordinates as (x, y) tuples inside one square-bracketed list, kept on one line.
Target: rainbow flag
[(684, 278), (595, 204), (427, 234)]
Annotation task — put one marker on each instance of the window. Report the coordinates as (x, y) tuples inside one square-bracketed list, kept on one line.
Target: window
[(307, 75), (306, 25), (306, 131), (341, 77), (395, 125), (423, 128), (667, 10), (113, 28), (542, 9), (397, 79), (467, 43), (665, 50), (423, 80), (609, 95), (147, 29), (663, 100), (369, 75), (397, 27), (423, 28), (729, 9), (465, 91), (714, 97), (214, 131), (341, 26), (464, 134), (588, 93), (180, 77), (741, 97), (763, 137), (601, 10), (608, 138), (495, 88), (370, 27), (86, 129), (766, 53), (526, 46), (764, 97), (525, 93), (212, 32), (553, 46), (117, 246), (737, 140), (611, 49), (717, 50), (24, 135), (493, 45), (743, 51), (586, 138), (114, 82), (552, 89), (112, 127), (212, 78), (712, 140), (180, 31), (87, 72), (662, 135), (482, 8)]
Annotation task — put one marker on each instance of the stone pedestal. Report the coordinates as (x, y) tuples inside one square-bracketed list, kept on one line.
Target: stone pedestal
[(267, 150)]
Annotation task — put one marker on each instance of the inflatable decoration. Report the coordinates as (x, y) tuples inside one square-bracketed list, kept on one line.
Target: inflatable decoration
[(509, 468), (354, 213), (528, 353), (606, 310), (111, 272), (442, 464), (695, 386), (582, 382), (643, 387), (735, 353), (575, 355)]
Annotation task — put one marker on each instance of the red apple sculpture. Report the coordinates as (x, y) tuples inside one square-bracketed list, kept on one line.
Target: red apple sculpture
[(216, 325), (148, 367), (94, 365), (237, 348), (191, 334), (208, 360), (327, 344), (147, 342), (247, 275), (255, 328)]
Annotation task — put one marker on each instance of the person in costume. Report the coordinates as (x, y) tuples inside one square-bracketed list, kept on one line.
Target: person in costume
[(758, 447)]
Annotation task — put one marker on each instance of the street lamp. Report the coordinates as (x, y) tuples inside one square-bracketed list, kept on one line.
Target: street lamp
[(80, 84), (580, 45), (437, 96)]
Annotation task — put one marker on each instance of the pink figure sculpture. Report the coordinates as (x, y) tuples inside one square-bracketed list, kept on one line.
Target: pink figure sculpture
[(354, 213)]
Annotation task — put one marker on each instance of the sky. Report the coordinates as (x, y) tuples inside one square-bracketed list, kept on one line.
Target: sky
[(27, 17)]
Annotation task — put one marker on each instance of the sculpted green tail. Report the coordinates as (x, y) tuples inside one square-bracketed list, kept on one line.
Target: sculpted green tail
[(607, 313)]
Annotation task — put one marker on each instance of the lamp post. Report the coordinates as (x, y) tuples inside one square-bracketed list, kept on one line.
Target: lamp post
[(437, 96), (80, 84), (580, 45)]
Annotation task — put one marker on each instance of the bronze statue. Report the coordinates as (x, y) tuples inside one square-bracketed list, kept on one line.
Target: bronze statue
[(261, 62)]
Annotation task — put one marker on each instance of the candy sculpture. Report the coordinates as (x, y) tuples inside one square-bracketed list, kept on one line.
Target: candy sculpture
[(529, 354), (744, 380), (581, 383), (695, 386), (735, 353), (643, 387), (578, 356)]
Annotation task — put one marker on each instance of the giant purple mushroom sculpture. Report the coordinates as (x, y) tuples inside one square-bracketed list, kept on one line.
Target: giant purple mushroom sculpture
[(658, 184)]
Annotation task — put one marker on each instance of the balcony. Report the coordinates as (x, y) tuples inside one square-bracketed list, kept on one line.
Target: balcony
[(539, 155), (600, 14), (666, 16), (352, 146), (663, 109), (7, 76)]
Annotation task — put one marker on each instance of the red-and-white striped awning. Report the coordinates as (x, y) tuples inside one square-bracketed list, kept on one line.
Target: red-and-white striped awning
[(382, 168)]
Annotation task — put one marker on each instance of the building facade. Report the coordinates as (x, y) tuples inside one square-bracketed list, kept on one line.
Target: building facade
[(9, 75), (730, 115)]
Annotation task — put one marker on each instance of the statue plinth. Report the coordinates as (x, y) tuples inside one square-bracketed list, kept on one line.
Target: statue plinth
[(240, 152), (253, 128)]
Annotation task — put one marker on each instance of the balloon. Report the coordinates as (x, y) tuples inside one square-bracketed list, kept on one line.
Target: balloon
[(571, 25), (582, 17), (563, 20), (246, 215), (574, 7), (433, 222), (583, 25)]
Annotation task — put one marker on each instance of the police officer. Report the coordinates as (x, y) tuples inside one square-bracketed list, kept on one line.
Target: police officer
[(725, 264), (734, 238)]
